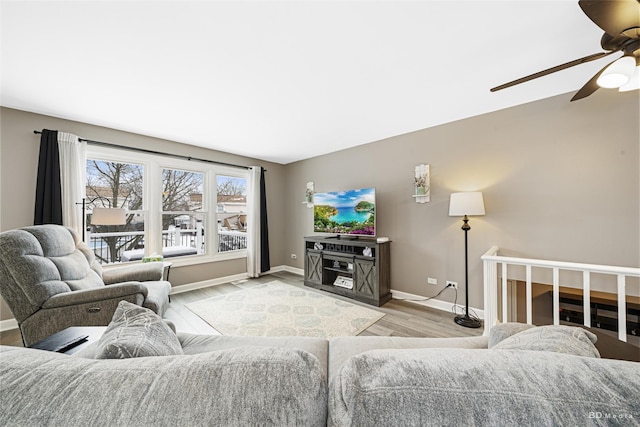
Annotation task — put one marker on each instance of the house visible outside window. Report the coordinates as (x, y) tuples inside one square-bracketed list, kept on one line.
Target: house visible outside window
[(187, 211), (231, 210), (183, 213)]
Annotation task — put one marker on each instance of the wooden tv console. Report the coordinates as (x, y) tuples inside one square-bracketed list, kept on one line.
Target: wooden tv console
[(362, 263)]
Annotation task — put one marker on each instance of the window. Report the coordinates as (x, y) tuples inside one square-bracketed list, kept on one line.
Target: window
[(231, 202), (115, 185), (183, 216), (188, 211)]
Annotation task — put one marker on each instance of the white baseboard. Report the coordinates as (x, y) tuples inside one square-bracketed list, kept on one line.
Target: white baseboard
[(220, 280), (287, 268), (7, 325), (434, 303), (206, 283)]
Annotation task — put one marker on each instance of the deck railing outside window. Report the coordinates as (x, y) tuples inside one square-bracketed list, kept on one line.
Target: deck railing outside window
[(178, 242)]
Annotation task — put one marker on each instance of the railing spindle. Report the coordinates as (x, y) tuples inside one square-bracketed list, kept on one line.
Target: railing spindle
[(504, 293), (490, 293), (529, 296), (622, 308), (556, 296), (586, 296)]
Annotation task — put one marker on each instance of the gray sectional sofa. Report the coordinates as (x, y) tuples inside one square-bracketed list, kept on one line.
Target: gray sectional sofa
[(537, 377)]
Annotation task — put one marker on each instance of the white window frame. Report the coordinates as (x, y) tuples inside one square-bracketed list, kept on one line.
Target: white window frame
[(153, 165), (112, 156)]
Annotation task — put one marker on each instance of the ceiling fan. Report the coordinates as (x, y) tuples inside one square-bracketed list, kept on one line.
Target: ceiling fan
[(620, 20)]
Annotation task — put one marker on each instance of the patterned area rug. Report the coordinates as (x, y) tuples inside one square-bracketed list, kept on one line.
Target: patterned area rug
[(278, 309)]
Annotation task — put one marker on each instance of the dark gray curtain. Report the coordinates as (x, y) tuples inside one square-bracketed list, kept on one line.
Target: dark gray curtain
[(265, 263), (48, 209)]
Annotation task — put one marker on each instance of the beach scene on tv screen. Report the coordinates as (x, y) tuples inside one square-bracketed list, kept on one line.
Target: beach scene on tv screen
[(345, 212)]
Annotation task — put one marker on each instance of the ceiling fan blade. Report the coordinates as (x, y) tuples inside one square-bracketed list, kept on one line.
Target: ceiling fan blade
[(613, 16), (589, 87), (553, 70)]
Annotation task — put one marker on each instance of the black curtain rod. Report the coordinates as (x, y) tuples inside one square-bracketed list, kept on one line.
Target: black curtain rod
[(143, 150)]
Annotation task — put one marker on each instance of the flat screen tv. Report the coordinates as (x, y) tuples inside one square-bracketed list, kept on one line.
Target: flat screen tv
[(351, 212)]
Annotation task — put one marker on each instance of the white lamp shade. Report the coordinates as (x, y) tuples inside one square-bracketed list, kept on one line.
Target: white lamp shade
[(467, 203), (108, 216), (618, 73), (634, 82)]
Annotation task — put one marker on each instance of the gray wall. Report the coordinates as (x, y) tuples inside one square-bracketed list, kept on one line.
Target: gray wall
[(19, 161), (560, 182)]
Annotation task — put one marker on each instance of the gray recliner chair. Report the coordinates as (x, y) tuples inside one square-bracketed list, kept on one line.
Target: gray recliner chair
[(51, 280)]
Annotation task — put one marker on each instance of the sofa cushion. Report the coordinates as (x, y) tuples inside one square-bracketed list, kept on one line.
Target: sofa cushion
[(195, 343), (465, 387), (342, 349), (239, 387), (505, 330), (557, 338), (137, 332), (75, 263)]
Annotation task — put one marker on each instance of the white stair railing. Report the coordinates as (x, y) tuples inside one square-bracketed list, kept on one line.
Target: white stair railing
[(491, 259)]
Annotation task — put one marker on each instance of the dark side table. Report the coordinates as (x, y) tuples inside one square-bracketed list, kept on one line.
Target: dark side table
[(63, 341)]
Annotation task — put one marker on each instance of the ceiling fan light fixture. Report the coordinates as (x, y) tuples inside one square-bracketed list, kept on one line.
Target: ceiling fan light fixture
[(618, 73), (634, 82)]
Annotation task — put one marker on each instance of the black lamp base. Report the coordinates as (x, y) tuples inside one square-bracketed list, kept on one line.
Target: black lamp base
[(467, 321)]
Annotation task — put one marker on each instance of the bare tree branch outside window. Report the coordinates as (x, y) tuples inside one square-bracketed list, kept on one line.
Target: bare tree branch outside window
[(115, 185), (181, 192)]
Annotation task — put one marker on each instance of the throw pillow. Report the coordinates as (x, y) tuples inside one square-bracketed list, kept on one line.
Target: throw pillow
[(136, 331), (505, 330), (561, 339)]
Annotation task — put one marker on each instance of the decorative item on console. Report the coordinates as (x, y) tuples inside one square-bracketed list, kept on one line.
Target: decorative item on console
[(422, 181), (308, 194)]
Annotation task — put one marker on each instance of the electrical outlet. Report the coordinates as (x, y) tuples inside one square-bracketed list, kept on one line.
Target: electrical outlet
[(432, 281), (294, 256), (452, 284)]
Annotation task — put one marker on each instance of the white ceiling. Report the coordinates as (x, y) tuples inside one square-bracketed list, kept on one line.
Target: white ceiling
[(286, 80)]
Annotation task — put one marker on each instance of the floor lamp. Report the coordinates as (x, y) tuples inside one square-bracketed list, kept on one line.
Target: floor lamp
[(108, 216), (101, 216), (465, 205)]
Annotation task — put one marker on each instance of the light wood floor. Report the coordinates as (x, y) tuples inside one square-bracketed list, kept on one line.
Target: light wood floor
[(402, 318)]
